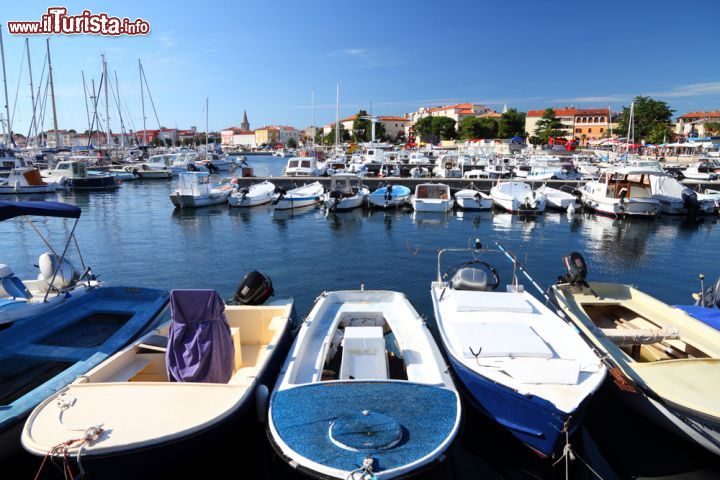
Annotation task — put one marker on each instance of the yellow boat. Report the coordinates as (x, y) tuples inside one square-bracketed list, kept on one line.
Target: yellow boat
[(663, 361)]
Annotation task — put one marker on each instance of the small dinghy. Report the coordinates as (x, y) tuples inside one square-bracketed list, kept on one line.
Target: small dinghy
[(664, 363), (432, 197), (559, 199), (521, 364), (42, 354), (257, 194), (170, 401), (471, 199), (365, 392), (346, 193), (298, 197), (390, 196), (195, 190), (517, 197)]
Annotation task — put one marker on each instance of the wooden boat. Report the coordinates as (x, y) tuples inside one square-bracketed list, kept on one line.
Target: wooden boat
[(520, 364), (170, 401), (364, 392), (665, 363), (42, 354)]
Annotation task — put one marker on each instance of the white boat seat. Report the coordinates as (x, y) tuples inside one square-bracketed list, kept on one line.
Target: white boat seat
[(469, 278), (640, 336), (473, 301), (364, 355), (5, 271), (497, 339)]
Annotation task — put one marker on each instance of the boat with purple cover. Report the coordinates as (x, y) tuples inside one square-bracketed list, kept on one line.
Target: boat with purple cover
[(170, 401), (364, 392)]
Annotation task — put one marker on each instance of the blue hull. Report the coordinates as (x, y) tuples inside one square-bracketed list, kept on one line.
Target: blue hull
[(42, 354), (532, 420)]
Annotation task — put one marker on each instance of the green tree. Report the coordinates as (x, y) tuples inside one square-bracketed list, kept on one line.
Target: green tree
[(535, 140), (652, 118), (549, 126), (712, 128), (474, 127), (423, 129), (434, 129), (512, 124), (291, 143), (659, 133), (362, 129)]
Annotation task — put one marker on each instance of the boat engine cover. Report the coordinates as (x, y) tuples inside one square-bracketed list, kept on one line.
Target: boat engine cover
[(48, 263), (469, 278), (254, 289), (576, 268)]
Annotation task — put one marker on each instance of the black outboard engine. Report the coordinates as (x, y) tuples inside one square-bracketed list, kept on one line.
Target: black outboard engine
[(212, 168), (281, 193), (690, 201), (254, 289), (243, 193), (576, 270), (388, 193)]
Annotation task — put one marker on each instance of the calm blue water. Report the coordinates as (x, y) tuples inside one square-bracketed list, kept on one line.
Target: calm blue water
[(134, 237)]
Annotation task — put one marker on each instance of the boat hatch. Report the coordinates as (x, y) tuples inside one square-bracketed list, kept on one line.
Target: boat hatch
[(21, 375), (292, 164), (90, 331), (641, 338)]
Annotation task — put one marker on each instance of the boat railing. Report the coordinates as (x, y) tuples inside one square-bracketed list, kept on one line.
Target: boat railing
[(475, 250)]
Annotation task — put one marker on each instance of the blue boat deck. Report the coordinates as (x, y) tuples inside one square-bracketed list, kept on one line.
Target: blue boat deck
[(339, 424)]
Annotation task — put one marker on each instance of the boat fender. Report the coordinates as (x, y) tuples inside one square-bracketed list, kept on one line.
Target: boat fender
[(261, 402)]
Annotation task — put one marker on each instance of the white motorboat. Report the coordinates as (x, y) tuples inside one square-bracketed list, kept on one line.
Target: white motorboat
[(559, 199), (419, 172), (26, 180), (170, 400), (57, 281), (365, 392), (621, 191), (336, 164), (446, 166), (703, 171), (346, 193), (525, 367), (390, 196), (303, 167), (187, 162), (473, 199), (75, 173), (432, 197), (256, 194), (517, 197), (298, 197), (677, 199), (195, 189)]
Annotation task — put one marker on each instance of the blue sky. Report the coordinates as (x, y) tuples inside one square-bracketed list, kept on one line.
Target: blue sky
[(267, 57)]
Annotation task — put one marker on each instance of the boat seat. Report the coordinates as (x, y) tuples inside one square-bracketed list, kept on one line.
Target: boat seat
[(14, 287), (127, 372), (468, 278), (640, 336), (364, 355)]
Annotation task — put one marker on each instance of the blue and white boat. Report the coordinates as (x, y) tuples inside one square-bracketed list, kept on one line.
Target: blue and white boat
[(390, 196), (519, 363), (364, 392), (42, 354), (57, 282), (707, 305)]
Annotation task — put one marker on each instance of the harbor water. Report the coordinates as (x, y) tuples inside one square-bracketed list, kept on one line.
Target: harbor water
[(133, 236)]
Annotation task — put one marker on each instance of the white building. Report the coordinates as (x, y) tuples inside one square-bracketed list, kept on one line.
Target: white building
[(692, 124)]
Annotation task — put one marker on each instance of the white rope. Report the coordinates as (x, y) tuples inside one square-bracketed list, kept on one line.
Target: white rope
[(366, 471), (570, 455)]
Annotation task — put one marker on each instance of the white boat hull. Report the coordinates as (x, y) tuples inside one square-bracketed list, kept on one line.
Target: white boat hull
[(630, 207), (432, 205), (193, 201)]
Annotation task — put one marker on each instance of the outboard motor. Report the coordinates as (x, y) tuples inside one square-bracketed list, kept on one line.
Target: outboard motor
[(254, 289), (388, 193), (576, 270), (336, 196), (243, 193), (690, 200), (55, 272), (281, 194)]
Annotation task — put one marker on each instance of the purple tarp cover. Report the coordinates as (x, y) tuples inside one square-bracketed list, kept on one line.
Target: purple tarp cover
[(200, 346)]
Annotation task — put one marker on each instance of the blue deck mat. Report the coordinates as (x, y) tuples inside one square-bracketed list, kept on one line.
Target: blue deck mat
[(709, 316), (303, 415)]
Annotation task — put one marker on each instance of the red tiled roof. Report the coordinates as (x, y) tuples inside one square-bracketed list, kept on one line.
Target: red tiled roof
[(390, 118), (715, 114), (490, 115), (570, 112), (267, 128), (459, 106), (592, 111)]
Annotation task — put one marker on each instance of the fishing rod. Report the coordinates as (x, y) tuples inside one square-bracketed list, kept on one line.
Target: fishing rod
[(527, 275)]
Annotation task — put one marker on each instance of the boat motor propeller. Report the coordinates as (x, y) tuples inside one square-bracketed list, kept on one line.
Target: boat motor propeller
[(254, 289), (244, 193), (281, 194), (690, 201), (576, 271)]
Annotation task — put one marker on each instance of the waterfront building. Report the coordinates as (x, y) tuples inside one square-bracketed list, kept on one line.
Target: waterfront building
[(582, 124), (692, 124)]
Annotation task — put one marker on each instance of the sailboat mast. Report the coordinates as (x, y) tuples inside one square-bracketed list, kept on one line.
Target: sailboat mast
[(312, 116), (32, 88), (207, 128), (122, 126), (52, 95), (8, 134), (107, 104), (630, 130), (142, 99), (87, 110), (610, 121), (337, 119)]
